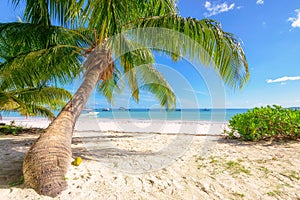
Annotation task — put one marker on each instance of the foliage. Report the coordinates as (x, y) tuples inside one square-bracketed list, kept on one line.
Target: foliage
[(18, 182), (10, 129), (33, 54), (236, 167), (210, 43), (103, 20), (40, 101), (265, 122), (32, 58), (99, 21)]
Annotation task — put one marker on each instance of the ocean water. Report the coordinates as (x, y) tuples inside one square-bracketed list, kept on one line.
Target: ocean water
[(215, 115)]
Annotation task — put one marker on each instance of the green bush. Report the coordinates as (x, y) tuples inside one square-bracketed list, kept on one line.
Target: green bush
[(10, 129), (265, 122)]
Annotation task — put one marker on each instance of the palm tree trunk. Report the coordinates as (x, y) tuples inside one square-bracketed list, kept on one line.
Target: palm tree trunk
[(48, 160)]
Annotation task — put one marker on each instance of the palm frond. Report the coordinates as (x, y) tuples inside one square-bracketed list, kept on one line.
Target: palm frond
[(42, 12), (39, 53), (137, 63), (36, 110), (152, 80), (133, 56), (199, 40), (34, 101), (6, 101), (164, 94), (109, 17), (112, 86), (36, 53), (42, 95)]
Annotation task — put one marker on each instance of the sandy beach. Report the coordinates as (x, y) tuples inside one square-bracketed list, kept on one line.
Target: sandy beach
[(139, 159)]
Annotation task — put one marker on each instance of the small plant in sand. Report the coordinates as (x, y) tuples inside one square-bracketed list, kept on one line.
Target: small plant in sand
[(236, 168), (265, 123), (220, 165), (274, 193), (239, 195), (292, 174), (18, 182)]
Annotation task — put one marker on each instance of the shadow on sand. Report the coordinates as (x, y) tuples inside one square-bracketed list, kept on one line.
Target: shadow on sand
[(14, 148)]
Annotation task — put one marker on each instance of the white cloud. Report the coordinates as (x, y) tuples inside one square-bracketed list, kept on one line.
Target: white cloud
[(283, 79), (295, 21), (214, 9), (260, 2), (192, 91), (196, 92)]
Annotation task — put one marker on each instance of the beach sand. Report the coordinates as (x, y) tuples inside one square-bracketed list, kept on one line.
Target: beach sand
[(160, 160)]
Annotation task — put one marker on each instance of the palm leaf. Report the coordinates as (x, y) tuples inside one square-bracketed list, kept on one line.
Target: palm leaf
[(137, 64), (35, 110), (109, 17), (112, 86), (199, 40), (43, 94), (152, 80), (210, 44), (34, 101), (164, 94), (42, 12), (39, 54)]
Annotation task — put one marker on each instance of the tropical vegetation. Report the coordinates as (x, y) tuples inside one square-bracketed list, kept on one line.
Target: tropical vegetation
[(114, 41), (10, 129), (37, 101), (31, 65), (265, 123)]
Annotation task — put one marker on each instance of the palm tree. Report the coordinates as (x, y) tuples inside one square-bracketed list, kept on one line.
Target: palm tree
[(102, 24)]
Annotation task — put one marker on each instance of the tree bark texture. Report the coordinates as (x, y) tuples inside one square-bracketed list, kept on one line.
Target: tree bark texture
[(48, 160)]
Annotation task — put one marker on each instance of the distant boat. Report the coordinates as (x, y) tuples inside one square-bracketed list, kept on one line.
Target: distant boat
[(106, 109), (90, 114), (206, 109), (294, 108), (87, 109), (172, 109), (123, 109)]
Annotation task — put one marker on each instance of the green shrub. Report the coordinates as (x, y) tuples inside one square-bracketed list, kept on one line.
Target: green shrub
[(265, 122), (10, 129)]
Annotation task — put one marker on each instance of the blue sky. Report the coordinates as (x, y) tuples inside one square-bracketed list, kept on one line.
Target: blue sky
[(270, 32)]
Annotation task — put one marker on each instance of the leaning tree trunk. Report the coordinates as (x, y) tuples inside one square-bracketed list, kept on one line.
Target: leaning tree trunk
[(49, 159)]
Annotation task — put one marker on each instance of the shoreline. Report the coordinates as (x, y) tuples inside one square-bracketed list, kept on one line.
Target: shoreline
[(39, 122), (211, 116), (8, 119), (129, 125)]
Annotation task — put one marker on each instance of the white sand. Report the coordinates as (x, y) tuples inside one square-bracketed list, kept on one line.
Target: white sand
[(161, 160)]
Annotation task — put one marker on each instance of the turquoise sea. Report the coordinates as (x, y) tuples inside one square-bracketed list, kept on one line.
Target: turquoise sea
[(218, 115), (215, 115)]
